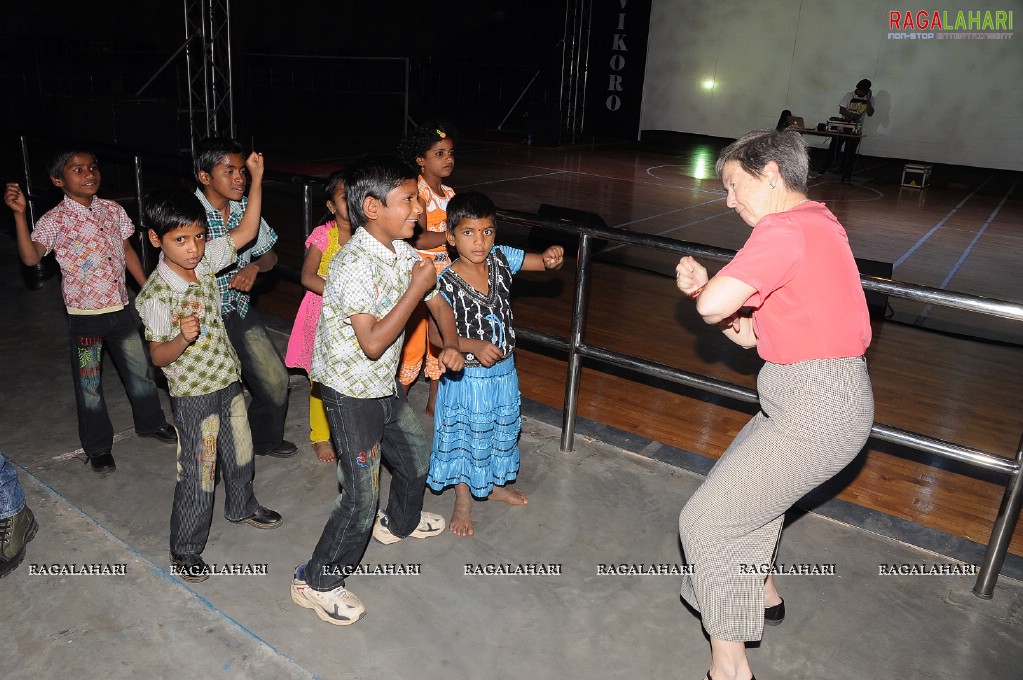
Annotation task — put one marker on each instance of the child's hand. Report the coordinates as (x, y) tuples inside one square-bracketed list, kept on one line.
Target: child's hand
[(14, 199), (690, 275), (254, 164), (553, 257), (488, 354), (424, 276), (189, 326), (450, 359), (244, 279)]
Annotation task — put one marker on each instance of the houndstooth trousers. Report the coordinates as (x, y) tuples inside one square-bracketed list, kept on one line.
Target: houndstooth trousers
[(815, 417)]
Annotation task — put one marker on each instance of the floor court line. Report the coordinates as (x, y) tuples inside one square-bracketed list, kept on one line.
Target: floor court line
[(966, 253), (916, 246)]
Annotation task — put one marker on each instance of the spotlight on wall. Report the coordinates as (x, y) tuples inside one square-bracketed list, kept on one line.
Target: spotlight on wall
[(709, 84)]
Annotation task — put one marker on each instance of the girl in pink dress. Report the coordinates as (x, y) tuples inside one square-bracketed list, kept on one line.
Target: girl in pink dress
[(325, 241)]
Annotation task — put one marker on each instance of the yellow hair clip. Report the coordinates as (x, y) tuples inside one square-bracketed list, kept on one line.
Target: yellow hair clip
[(440, 134)]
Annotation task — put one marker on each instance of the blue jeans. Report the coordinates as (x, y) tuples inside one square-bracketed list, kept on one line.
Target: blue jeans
[(117, 332), (264, 375), (12, 497), (363, 432)]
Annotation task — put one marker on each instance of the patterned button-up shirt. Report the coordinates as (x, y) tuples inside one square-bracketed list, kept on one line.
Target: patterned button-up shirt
[(236, 300), (210, 363), (365, 277), (89, 246)]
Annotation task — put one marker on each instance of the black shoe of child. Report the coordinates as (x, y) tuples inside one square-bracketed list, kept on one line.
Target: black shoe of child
[(103, 464), (285, 449), (262, 518), (166, 434), (189, 567)]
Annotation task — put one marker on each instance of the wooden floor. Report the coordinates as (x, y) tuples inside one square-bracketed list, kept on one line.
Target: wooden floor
[(945, 374)]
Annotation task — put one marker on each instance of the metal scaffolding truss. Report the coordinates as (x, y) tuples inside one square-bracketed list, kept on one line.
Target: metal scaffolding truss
[(208, 52), (576, 55)]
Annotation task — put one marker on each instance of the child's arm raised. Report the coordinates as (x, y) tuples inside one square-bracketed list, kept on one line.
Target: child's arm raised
[(248, 229), (376, 335), (163, 353), (552, 258), (450, 357), (29, 251)]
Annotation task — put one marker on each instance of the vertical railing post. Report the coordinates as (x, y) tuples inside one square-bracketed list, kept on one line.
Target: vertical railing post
[(575, 338), (307, 210), (144, 249), (29, 192), (1001, 534)]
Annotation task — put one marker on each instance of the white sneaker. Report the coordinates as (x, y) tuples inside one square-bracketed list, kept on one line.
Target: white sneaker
[(430, 524), (339, 606)]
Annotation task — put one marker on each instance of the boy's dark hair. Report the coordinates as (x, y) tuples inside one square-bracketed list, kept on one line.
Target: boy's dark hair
[(55, 168), (211, 151), (374, 176), (168, 209), (335, 178), (469, 205), (419, 140)]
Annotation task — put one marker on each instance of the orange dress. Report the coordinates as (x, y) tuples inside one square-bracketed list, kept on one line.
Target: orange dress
[(417, 335)]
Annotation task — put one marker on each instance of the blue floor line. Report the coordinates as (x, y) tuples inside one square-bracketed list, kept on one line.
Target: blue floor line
[(161, 572), (946, 218), (966, 253)]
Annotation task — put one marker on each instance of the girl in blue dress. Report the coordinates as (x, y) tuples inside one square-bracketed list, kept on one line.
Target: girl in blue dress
[(477, 418)]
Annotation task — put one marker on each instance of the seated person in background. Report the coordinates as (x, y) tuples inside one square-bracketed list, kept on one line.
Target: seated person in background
[(786, 120)]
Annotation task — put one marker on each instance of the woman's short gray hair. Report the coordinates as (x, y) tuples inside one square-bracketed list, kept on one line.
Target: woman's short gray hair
[(756, 149)]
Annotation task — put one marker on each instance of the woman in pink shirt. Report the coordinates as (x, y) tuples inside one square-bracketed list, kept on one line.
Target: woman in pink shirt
[(809, 322)]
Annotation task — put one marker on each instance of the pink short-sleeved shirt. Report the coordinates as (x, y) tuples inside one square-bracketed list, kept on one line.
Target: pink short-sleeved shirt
[(808, 303), (89, 246)]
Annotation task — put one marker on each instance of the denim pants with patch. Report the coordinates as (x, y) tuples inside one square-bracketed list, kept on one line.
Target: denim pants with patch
[(264, 375), (118, 333), (363, 432), (213, 432)]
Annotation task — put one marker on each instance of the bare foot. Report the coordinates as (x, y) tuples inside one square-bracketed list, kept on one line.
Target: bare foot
[(324, 451), (510, 496), (461, 517)]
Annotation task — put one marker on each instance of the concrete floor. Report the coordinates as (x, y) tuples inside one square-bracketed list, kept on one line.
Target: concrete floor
[(598, 505)]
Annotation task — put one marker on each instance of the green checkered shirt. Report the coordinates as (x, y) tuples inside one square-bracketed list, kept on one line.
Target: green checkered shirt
[(210, 363), (365, 277)]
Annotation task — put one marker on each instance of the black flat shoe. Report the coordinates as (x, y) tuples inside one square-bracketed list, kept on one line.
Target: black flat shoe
[(166, 434), (189, 567), (773, 616), (710, 677), (103, 465), (262, 518), (283, 450)]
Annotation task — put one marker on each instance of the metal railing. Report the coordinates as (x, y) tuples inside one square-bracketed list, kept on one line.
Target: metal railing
[(577, 348)]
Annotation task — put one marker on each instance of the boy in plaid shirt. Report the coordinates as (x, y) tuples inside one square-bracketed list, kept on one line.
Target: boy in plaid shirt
[(373, 285), (89, 237)]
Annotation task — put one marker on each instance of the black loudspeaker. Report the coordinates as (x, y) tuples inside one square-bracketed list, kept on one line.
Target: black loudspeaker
[(877, 303)]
